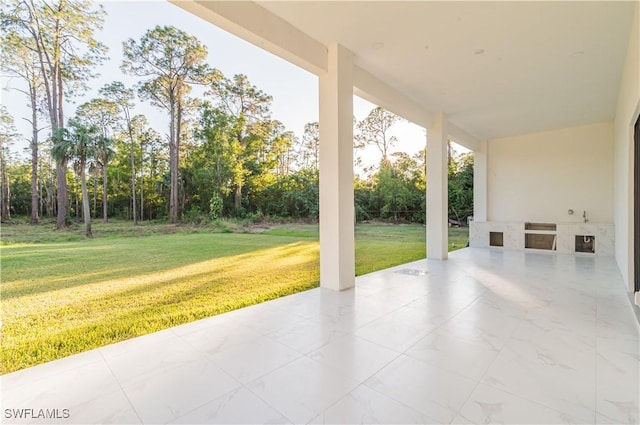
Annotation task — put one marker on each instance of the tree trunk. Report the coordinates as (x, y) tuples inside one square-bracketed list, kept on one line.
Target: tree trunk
[(48, 187), (61, 167), (173, 165), (34, 155), (104, 193), (141, 195), (179, 196), (53, 196), (237, 202), (40, 198), (5, 213), (86, 211), (133, 179), (61, 175), (76, 199), (95, 196)]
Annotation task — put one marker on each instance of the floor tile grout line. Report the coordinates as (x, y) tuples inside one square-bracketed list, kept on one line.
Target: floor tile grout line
[(340, 372), (207, 402), (480, 381), (486, 371), (264, 374), (245, 386), (398, 401), (121, 387), (521, 397)]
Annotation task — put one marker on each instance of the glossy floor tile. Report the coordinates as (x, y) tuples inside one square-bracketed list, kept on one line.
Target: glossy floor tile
[(488, 336)]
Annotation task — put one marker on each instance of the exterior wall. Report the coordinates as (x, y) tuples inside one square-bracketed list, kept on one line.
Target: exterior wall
[(626, 114), (539, 177)]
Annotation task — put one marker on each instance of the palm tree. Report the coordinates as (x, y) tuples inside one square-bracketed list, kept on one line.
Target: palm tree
[(77, 142)]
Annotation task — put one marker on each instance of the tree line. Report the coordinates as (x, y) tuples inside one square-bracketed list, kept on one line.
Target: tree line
[(223, 154)]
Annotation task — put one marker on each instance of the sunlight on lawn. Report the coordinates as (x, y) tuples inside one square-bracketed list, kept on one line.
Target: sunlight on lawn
[(60, 299), (58, 322)]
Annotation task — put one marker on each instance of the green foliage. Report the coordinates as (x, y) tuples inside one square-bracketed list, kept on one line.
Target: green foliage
[(215, 206), (396, 192), (461, 187), (294, 195), (247, 109)]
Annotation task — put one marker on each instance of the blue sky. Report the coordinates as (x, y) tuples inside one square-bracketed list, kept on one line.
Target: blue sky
[(294, 90)]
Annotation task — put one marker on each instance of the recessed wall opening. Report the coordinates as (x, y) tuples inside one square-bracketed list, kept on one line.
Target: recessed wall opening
[(496, 239), (537, 241), (586, 243)]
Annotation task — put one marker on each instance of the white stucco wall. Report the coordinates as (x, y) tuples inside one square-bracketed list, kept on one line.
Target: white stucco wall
[(539, 177), (626, 114)]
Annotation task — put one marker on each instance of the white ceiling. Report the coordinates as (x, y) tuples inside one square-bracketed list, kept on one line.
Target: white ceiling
[(495, 68)]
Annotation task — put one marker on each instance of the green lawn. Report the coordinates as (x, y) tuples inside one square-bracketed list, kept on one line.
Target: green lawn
[(63, 294)]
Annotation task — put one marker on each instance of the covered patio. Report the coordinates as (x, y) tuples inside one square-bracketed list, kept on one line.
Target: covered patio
[(546, 94), (488, 336)]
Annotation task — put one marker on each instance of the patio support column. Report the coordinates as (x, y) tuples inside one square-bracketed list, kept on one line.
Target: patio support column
[(480, 182), (437, 189), (337, 257)]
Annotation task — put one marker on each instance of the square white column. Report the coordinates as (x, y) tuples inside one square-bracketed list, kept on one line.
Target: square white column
[(437, 190), (480, 183), (337, 256)]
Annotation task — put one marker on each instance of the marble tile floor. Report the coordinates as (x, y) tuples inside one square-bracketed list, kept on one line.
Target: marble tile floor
[(488, 336)]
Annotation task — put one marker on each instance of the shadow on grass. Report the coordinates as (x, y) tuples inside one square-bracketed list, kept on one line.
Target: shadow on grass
[(40, 269)]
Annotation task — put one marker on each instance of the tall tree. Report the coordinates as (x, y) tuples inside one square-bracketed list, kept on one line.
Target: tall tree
[(149, 141), (374, 130), (250, 109), (62, 34), (123, 97), (280, 147), (19, 58), (310, 149), (102, 115), (215, 157), (153, 163), (172, 61), (77, 142), (7, 136)]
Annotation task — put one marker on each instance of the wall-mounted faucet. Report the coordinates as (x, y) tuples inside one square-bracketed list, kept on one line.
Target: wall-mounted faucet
[(584, 216)]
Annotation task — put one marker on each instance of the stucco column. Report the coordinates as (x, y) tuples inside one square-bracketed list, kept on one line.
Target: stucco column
[(480, 182), (337, 257), (437, 189)]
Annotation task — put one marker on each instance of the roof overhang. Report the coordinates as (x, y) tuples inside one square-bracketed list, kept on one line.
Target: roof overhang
[(493, 68)]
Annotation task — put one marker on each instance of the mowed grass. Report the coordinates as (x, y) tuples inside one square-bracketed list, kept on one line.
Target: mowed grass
[(62, 295)]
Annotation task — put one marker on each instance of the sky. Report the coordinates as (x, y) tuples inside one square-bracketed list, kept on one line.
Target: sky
[(294, 90)]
